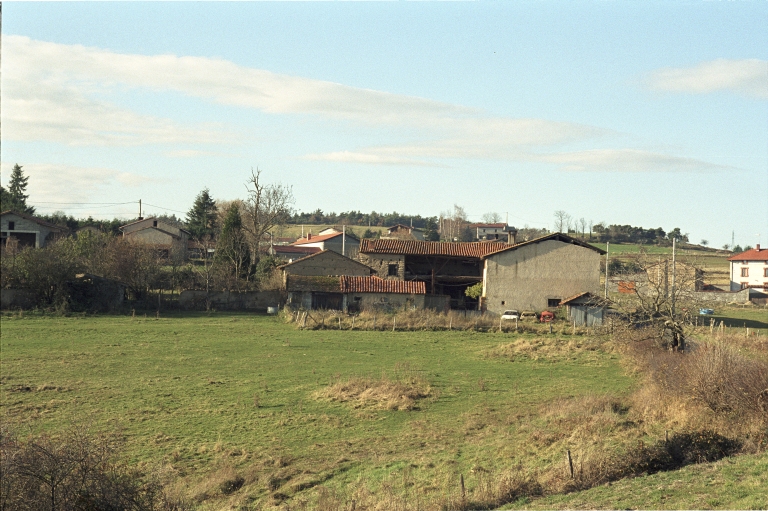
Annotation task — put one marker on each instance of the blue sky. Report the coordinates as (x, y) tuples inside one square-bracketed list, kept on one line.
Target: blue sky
[(642, 113)]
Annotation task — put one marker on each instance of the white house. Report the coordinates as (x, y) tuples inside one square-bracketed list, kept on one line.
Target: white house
[(498, 231), (750, 269), (27, 230)]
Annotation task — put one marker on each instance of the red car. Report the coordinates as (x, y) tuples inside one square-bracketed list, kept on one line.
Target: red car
[(547, 316)]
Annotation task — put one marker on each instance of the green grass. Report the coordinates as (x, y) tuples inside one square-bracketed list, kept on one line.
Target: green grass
[(183, 389), (727, 484), (212, 395)]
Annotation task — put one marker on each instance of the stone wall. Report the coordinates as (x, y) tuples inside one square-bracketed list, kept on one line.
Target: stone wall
[(527, 277), (325, 264), (722, 296), (380, 264), (252, 300)]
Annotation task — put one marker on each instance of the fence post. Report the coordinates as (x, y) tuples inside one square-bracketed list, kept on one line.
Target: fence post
[(394, 323), (570, 462), (463, 490)]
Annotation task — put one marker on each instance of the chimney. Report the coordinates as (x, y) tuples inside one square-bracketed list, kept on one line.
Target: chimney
[(757, 247), (309, 236), (511, 236)]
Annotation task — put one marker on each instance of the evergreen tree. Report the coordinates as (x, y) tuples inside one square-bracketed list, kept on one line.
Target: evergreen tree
[(232, 247), (430, 231), (201, 219), (14, 198)]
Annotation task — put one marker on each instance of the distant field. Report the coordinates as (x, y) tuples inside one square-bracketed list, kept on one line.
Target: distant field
[(214, 396)]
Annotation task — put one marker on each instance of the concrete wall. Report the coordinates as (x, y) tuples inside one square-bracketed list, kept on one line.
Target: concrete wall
[(380, 264), (253, 300), (42, 233), (327, 263), (527, 277), (351, 247)]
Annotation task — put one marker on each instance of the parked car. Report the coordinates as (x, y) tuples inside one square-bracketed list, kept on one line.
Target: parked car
[(706, 312), (511, 314), (547, 316), (529, 315)]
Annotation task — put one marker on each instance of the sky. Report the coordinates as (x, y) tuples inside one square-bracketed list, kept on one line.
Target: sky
[(653, 114)]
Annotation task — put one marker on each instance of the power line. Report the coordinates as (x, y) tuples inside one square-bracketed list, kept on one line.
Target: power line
[(166, 209), (110, 203)]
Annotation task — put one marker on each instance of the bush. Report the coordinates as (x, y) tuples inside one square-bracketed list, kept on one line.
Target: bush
[(74, 472)]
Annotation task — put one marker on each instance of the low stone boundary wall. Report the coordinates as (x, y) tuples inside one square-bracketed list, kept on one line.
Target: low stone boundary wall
[(16, 299), (722, 296), (226, 300)]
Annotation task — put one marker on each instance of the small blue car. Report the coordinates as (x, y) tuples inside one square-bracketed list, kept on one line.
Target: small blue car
[(706, 312)]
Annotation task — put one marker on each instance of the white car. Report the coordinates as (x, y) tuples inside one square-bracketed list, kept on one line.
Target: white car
[(513, 314)]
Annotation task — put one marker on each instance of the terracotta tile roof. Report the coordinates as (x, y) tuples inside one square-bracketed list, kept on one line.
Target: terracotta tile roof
[(474, 249), (316, 238), (379, 285), (754, 254)]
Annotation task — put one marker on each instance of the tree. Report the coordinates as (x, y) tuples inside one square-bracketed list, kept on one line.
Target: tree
[(726, 246), (737, 249), (562, 221), (202, 218), (14, 198), (232, 248), (583, 225), (430, 231), (266, 207), (491, 218), (704, 243)]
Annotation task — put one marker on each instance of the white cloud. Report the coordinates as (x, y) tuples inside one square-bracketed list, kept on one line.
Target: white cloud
[(628, 160), (62, 108), (51, 184), (747, 76)]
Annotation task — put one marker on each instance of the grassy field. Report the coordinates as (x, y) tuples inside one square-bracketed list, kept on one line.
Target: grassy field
[(211, 399)]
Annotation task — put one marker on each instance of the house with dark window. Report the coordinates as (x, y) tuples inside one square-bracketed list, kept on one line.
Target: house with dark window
[(27, 231), (167, 239), (494, 232), (750, 270), (404, 232)]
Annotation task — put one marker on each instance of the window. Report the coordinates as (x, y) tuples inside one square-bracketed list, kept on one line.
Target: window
[(745, 272), (553, 302), (503, 302), (765, 272), (744, 285), (154, 223), (11, 226), (392, 270)]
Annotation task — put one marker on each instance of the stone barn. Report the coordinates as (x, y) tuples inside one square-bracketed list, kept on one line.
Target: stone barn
[(539, 273)]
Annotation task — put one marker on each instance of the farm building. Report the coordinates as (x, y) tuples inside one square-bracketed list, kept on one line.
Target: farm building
[(493, 232), (326, 263), (168, 240), (27, 230), (585, 309), (355, 293), (539, 273), (292, 253), (750, 270), (404, 232), (445, 268), (343, 243)]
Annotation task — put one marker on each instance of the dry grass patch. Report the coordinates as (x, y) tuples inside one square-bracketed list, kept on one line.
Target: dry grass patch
[(384, 393), (550, 348)]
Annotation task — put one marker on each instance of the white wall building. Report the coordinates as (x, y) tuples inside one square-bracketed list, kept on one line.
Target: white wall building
[(750, 269)]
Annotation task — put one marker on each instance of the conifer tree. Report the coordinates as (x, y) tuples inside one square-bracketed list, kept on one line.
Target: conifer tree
[(201, 219), (232, 247), (14, 198)]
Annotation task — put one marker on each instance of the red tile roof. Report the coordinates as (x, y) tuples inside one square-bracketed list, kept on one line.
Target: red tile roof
[(751, 255), (558, 236), (474, 249), (379, 285)]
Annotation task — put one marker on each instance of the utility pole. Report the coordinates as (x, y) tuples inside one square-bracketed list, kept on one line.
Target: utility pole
[(607, 245), (344, 240), (139, 209)]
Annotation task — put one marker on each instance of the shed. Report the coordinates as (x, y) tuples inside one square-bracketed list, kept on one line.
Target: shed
[(585, 309)]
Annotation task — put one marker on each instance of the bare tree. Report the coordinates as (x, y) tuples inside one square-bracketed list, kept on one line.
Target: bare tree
[(583, 225), (562, 221), (267, 206), (491, 218), (591, 223)]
